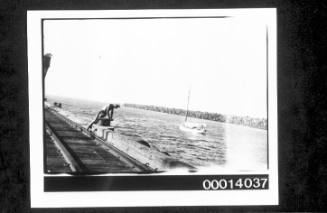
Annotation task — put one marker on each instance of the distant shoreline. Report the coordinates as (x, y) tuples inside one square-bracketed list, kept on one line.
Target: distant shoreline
[(259, 123)]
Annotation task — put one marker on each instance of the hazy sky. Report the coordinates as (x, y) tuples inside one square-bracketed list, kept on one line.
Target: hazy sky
[(156, 61)]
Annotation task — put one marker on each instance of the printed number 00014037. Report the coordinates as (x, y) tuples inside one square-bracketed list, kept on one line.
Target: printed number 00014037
[(240, 183)]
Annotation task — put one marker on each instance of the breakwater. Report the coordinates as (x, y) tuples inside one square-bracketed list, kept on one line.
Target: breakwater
[(260, 123)]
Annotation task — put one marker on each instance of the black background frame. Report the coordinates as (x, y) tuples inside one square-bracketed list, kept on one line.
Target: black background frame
[(302, 115)]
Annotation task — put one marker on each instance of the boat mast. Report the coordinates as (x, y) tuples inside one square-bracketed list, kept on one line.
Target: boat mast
[(188, 101)]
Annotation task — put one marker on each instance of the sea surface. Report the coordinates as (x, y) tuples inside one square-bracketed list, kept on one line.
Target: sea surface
[(226, 146)]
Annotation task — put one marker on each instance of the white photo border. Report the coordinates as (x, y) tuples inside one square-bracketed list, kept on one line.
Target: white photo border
[(42, 199)]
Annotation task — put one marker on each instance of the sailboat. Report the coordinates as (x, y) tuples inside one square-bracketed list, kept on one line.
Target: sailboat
[(196, 128)]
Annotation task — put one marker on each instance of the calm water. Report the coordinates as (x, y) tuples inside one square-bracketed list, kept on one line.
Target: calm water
[(226, 145)]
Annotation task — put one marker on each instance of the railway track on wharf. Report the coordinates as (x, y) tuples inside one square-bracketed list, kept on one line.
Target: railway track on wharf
[(69, 148)]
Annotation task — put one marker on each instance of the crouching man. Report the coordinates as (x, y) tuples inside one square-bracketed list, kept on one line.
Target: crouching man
[(105, 116)]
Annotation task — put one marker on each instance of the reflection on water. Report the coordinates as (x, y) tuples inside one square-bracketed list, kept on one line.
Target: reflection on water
[(226, 145)]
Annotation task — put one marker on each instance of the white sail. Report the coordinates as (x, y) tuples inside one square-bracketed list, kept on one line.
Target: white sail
[(188, 101), (198, 128)]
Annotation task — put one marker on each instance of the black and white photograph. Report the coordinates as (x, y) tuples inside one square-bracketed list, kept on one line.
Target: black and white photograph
[(153, 103)]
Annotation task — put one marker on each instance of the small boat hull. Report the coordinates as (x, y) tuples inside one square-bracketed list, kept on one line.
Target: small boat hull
[(195, 129)]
